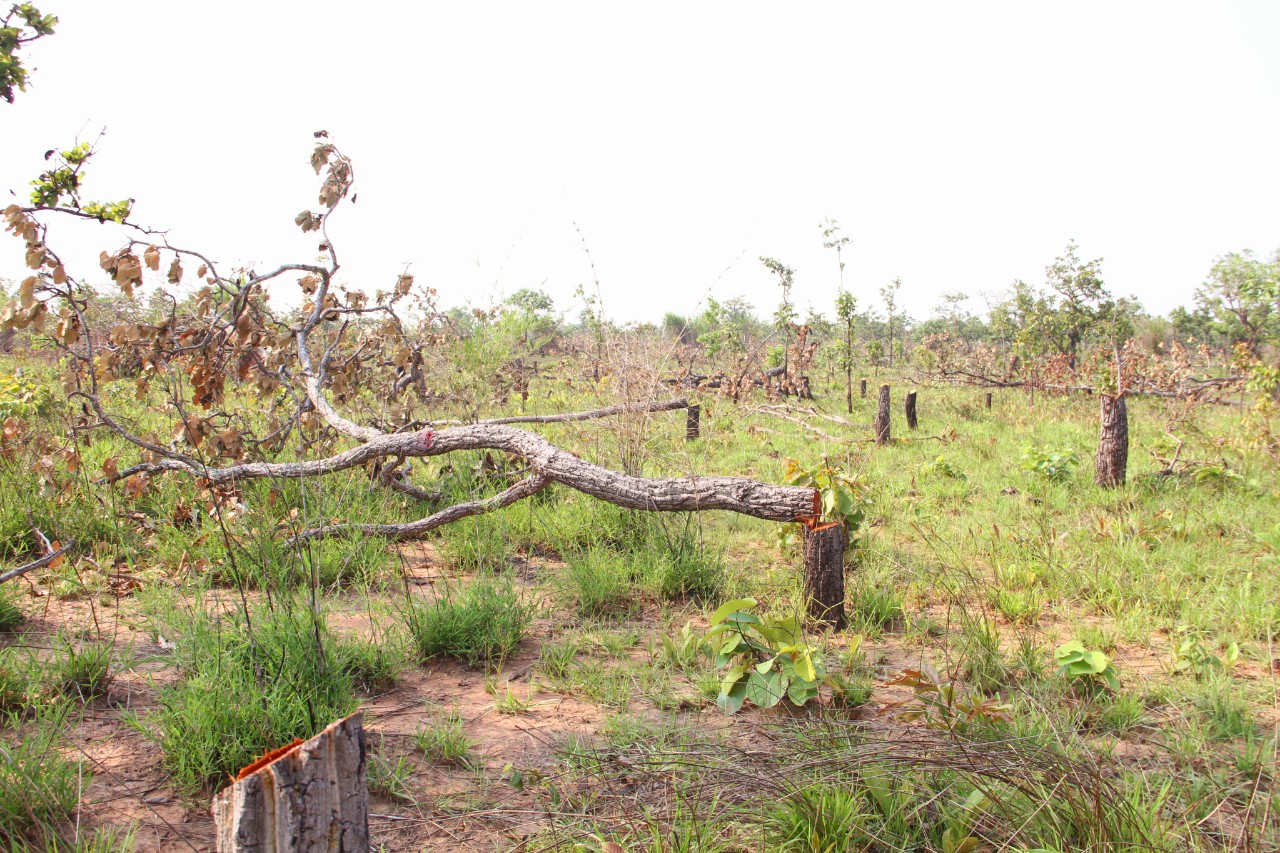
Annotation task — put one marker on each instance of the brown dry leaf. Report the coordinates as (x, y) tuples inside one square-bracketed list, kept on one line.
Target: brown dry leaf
[(59, 274), (175, 272), (204, 269), (111, 468), (27, 291), (152, 258), (35, 256)]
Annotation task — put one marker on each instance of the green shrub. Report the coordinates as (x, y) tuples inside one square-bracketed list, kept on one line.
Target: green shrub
[(479, 625), (86, 671), (598, 583), (444, 740)]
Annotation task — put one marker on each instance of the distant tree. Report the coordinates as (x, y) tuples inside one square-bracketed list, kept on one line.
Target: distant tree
[(1241, 295), (532, 301), (784, 317), (889, 294), (19, 27), (1085, 301), (847, 316)]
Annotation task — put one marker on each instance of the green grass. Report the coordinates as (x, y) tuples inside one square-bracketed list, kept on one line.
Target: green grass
[(247, 686), (480, 624), (443, 739)]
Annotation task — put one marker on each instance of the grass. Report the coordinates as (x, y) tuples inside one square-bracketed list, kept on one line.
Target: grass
[(248, 686), (443, 739), (41, 788), (972, 564), (480, 624)]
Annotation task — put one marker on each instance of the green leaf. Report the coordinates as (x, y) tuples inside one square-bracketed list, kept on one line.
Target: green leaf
[(730, 607), (1096, 660), (731, 702), (765, 690), (804, 665)]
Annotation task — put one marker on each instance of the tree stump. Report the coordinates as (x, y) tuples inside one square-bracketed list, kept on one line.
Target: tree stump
[(988, 401), (824, 546), (309, 797), (864, 389), (1113, 442), (882, 416), (692, 423), (911, 409)]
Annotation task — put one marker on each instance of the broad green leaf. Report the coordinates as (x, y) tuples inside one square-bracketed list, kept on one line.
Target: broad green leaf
[(731, 702), (730, 607), (765, 690)]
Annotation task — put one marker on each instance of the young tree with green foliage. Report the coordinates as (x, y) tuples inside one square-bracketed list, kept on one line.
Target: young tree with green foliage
[(847, 314), (889, 293), (784, 318)]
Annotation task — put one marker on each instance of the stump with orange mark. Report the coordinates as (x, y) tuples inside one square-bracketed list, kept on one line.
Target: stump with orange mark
[(307, 797)]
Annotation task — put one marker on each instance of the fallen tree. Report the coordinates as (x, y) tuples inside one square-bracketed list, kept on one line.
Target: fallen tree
[(302, 365)]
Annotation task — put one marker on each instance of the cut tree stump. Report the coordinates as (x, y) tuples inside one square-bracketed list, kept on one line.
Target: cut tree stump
[(988, 401), (309, 797), (692, 423), (824, 547), (864, 390), (882, 416), (1113, 442), (911, 409)]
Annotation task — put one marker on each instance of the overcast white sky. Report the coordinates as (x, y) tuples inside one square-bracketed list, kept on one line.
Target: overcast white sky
[(960, 145)]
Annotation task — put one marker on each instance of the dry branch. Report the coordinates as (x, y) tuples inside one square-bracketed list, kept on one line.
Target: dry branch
[(36, 564)]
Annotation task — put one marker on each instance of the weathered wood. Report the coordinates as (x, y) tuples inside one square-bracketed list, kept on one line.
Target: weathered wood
[(824, 547), (911, 409), (35, 564), (863, 386), (313, 798), (692, 423), (882, 416), (1113, 441)]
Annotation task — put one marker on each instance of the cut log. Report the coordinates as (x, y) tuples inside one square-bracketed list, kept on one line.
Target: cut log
[(882, 416), (312, 797), (692, 425), (824, 547), (911, 410), (1113, 442)]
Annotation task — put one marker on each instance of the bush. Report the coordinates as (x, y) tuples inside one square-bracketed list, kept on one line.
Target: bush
[(480, 625)]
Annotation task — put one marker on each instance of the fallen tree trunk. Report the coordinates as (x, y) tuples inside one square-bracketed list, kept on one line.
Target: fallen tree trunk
[(35, 564), (669, 494), (309, 797)]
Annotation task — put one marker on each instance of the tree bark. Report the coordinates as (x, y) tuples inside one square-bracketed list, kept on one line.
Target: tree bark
[(313, 798), (824, 547), (911, 410), (692, 425), (882, 416), (1113, 442), (988, 401), (864, 391)]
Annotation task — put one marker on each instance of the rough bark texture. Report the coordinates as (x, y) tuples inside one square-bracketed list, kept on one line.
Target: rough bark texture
[(1113, 443), (692, 425), (882, 416), (911, 410), (863, 386), (824, 573), (313, 799), (988, 401)]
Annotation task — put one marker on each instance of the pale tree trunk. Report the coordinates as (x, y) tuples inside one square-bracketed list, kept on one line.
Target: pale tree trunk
[(313, 798), (1113, 442), (911, 410)]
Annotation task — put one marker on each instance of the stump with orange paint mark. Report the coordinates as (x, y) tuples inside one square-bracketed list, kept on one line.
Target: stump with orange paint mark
[(307, 797)]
